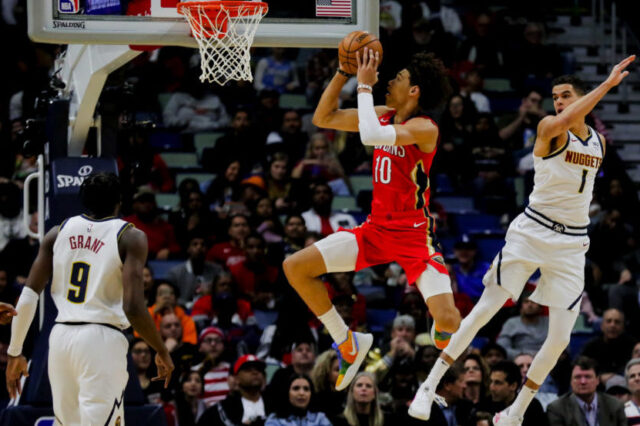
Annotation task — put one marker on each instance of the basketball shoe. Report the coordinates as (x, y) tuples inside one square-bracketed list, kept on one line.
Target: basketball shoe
[(351, 353), (420, 407), (440, 338), (503, 419)]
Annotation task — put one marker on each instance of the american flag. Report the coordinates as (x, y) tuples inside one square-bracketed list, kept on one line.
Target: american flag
[(335, 8)]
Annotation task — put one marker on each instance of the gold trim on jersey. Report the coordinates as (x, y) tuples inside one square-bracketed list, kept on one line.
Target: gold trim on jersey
[(421, 187)]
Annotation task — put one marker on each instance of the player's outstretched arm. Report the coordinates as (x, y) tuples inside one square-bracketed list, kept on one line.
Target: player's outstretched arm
[(552, 126), (39, 275), (133, 243)]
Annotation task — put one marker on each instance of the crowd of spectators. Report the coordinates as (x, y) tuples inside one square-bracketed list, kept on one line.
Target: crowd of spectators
[(246, 349)]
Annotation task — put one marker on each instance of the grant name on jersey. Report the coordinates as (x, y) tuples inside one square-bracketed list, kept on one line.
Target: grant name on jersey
[(398, 151), (583, 159), (85, 242)]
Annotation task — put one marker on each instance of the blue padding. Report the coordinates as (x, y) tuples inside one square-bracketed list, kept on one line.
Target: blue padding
[(477, 223), (489, 247), (456, 204), (443, 184), (377, 319), (166, 141), (161, 268)]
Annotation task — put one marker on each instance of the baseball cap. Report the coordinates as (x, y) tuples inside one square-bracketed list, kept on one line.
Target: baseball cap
[(210, 330), (246, 361), (616, 385), (465, 242), (144, 194)]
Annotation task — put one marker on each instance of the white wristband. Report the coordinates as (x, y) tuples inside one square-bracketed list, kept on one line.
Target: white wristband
[(364, 86), (372, 133), (26, 308)]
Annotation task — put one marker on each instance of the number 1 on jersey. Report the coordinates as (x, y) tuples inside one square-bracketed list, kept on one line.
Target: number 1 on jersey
[(584, 180), (382, 171), (79, 278)]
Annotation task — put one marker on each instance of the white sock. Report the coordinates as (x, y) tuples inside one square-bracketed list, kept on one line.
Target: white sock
[(524, 398), (335, 325), (436, 373)]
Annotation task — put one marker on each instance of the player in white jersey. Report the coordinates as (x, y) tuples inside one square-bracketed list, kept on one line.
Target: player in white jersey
[(96, 261), (551, 234)]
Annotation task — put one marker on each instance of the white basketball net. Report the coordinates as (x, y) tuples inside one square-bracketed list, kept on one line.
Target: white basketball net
[(225, 51)]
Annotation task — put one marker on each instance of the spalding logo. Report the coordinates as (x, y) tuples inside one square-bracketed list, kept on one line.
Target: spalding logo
[(65, 181)]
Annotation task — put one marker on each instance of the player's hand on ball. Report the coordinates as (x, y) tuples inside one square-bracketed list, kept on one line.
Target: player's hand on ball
[(165, 367), (618, 72), (16, 368), (368, 66), (7, 312)]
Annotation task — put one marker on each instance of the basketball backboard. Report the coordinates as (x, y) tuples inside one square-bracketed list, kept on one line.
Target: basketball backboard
[(289, 23)]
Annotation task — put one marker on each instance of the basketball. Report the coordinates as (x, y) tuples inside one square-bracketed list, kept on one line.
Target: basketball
[(353, 42)]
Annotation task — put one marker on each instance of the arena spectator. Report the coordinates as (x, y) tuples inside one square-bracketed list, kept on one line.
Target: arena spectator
[(493, 353), (548, 391), (426, 356), (504, 383), (532, 57), (472, 88), (214, 370), (265, 220), (289, 137), (617, 387), (525, 332), (233, 251), (224, 190), (468, 271), (458, 409), (193, 217), (160, 234), (324, 375), (188, 402), (141, 357), (294, 407), (518, 130), (222, 308), (321, 164), (294, 233), (610, 350), (363, 405), (476, 378), (341, 284), (245, 405), (254, 271), (276, 72), (166, 302), (182, 353), (193, 275), (147, 281), (320, 218), (401, 346), (278, 182), (482, 48), (632, 376), (584, 402)]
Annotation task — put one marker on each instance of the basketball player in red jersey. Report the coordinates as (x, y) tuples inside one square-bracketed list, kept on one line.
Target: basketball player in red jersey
[(400, 227)]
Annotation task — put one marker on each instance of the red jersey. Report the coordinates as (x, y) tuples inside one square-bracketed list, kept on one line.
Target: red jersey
[(400, 175)]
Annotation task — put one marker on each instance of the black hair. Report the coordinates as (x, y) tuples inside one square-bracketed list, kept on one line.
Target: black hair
[(284, 409), (100, 194), (429, 73), (292, 215), (578, 85), (585, 363), (450, 376), (257, 236), (492, 345), (511, 371)]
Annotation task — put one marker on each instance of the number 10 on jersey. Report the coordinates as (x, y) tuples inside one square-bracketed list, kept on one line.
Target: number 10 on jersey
[(79, 279), (382, 170)]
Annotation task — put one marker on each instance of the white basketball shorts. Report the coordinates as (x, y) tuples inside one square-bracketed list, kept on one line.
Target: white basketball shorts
[(560, 257), (88, 374)]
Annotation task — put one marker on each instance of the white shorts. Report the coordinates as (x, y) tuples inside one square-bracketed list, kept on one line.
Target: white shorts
[(340, 254), (560, 257), (88, 374)]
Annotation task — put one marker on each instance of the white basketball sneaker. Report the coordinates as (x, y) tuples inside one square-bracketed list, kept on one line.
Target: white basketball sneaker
[(420, 407), (503, 419)]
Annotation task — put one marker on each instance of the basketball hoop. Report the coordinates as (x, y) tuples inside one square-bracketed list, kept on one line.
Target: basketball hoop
[(224, 31)]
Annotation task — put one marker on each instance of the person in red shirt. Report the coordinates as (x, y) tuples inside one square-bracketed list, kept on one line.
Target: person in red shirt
[(160, 234), (221, 307), (232, 251), (400, 227), (254, 270)]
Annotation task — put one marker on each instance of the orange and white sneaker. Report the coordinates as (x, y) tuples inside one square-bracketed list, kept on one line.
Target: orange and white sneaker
[(351, 353), (440, 338)]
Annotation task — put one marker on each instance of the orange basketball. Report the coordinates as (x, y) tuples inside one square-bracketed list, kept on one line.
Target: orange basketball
[(353, 42)]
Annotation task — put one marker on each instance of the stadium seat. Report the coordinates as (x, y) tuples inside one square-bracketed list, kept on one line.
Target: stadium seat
[(293, 101), (201, 141), (265, 318), (167, 201), (443, 184), (477, 224), (344, 203), (372, 292), (166, 141), (161, 268), (180, 160), (361, 183), (378, 319), (200, 177), (489, 247), (497, 85), (456, 204)]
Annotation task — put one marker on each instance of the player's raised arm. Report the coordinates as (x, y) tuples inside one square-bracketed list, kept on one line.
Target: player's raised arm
[(133, 244), (26, 307), (552, 126)]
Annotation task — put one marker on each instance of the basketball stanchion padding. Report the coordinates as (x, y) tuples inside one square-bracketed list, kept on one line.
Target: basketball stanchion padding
[(224, 31)]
